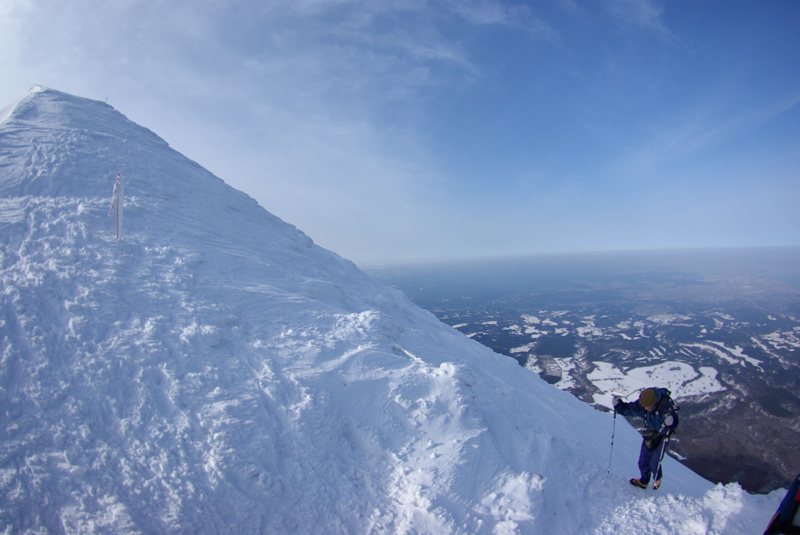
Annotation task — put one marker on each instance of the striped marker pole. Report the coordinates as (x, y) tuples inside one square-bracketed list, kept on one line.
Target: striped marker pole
[(116, 203)]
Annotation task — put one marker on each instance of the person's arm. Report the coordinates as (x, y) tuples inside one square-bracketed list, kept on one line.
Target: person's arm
[(628, 409)]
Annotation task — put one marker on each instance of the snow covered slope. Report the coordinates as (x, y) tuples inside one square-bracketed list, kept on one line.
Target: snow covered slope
[(214, 371)]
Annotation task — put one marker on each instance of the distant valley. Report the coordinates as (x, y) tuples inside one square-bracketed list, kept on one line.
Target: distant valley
[(720, 329)]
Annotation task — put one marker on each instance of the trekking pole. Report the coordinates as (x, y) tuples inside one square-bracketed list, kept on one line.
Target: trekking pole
[(613, 433), (661, 456)]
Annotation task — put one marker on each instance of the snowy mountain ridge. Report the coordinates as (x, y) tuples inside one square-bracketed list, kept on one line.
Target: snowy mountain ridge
[(214, 371)]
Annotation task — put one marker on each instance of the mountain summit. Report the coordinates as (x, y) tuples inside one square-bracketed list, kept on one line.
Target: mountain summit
[(214, 371)]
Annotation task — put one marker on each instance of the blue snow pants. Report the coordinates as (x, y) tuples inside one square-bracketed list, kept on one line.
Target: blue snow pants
[(648, 462)]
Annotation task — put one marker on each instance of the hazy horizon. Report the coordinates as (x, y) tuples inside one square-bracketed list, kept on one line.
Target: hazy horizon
[(780, 263)]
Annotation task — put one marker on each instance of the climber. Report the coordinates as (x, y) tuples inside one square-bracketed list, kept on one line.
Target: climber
[(660, 419)]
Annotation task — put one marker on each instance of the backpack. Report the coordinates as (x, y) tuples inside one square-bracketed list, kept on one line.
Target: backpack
[(666, 395)]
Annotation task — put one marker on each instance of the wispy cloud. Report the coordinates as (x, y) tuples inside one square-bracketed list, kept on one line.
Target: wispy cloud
[(371, 124), (640, 12), (493, 12), (704, 130), (643, 14)]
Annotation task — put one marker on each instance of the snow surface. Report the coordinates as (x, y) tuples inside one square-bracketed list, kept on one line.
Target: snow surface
[(214, 371)]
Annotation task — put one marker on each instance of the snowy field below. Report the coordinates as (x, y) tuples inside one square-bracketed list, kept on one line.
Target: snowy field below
[(679, 377)]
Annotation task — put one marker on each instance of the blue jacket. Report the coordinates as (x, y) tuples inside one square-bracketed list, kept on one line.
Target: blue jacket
[(655, 418)]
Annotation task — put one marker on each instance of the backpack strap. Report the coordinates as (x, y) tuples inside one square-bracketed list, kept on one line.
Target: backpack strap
[(666, 395)]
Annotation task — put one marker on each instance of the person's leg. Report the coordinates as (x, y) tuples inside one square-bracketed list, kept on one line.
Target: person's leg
[(645, 463)]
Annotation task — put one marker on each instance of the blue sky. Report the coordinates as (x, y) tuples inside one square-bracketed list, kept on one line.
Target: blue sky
[(401, 130)]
